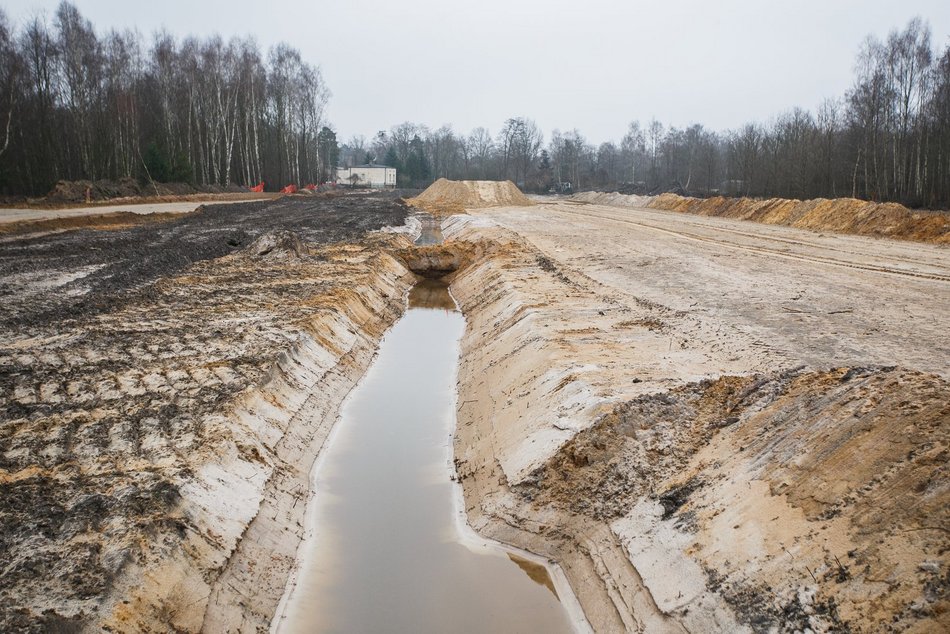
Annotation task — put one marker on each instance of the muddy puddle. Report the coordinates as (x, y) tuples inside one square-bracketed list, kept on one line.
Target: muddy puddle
[(431, 231), (389, 550)]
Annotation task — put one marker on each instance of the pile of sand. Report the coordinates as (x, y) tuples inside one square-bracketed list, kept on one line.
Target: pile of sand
[(448, 197), (614, 199), (842, 215)]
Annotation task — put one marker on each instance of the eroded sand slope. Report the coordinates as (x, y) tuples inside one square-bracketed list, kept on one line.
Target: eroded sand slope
[(709, 432), (159, 417)]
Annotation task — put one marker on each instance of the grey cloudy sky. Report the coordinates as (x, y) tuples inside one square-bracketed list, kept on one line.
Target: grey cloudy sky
[(594, 65)]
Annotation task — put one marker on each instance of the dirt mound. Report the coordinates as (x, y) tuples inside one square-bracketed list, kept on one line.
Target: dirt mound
[(613, 199), (69, 192), (277, 244), (448, 197), (841, 215), (116, 220)]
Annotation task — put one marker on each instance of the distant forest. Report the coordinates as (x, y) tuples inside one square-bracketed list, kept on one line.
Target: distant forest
[(76, 104), (886, 139)]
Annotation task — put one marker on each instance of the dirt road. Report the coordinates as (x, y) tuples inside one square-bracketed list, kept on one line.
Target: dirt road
[(817, 299)]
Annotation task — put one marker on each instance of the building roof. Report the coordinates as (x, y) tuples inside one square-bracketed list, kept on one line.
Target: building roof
[(365, 166)]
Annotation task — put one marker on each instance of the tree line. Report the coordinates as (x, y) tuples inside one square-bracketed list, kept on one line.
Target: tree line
[(75, 104), (886, 139)]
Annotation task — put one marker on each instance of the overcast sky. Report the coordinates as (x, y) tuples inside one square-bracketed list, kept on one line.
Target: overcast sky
[(594, 65)]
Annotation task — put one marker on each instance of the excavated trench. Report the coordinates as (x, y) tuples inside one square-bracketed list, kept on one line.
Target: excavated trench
[(756, 499), (387, 554), (389, 546), (431, 231)]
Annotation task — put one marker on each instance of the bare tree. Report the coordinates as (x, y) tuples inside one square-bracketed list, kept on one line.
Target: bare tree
[(11, 74), (520, 141), (654, 134), (633, 153), (76, 104), (481, 147)]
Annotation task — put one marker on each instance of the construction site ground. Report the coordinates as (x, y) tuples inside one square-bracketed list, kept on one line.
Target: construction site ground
[(796, 296), (121, 353), (709, 424), (187, 204), (714, 425)]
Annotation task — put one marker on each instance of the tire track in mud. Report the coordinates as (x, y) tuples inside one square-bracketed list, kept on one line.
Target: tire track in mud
[(121, 265), (764, 250)]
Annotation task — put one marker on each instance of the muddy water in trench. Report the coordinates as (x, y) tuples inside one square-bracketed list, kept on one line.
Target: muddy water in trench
[(431, 231), (387, 551)]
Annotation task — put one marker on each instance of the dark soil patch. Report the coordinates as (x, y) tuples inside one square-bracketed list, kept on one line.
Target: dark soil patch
[(70, 192), (129, 259)]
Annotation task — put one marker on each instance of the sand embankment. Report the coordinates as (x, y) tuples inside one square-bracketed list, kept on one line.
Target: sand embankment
[(841, 215), (290, 417), (250, 484), (687, 479), (155, 450)]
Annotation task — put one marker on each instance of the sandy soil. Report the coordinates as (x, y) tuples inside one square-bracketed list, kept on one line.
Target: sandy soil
[(808, 298), (712, 425), (163, 392), (842, 215), (12, 214), (445, 197)]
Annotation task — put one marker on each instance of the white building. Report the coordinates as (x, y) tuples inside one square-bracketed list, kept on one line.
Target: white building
[(379, 176)]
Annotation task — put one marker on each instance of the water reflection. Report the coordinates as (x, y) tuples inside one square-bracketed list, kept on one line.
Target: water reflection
[(536, 572), (386, 555), (431, 231), (431, 294)]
